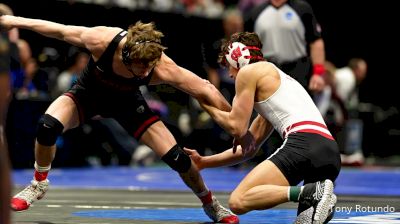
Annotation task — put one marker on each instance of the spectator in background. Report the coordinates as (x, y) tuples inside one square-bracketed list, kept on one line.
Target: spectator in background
[(28, 79), (339, 104), (347, 80), (5, 92), (325, 99), (75, 63), (247, 5), (34, 84), (207, 8), (21, 54)]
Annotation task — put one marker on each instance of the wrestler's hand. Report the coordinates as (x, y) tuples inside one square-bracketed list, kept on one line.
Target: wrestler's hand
[(196, 157), (247, 142), (5, 22)]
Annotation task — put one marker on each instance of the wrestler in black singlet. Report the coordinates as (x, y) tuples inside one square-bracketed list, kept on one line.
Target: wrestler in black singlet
[(99, 91)]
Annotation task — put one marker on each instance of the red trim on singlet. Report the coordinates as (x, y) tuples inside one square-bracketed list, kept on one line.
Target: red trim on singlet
[(305, 123), (309, 130), (316, 132), (78, 106), (144, 126)]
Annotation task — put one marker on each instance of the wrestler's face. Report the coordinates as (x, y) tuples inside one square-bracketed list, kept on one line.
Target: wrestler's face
[(139, 70), (233, 72)]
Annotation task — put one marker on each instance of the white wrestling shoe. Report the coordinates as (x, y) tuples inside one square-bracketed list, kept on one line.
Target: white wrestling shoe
[(218, 213), (31, 193)]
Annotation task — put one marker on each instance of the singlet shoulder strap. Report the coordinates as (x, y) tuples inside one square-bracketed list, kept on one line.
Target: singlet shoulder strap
[(105, 61)]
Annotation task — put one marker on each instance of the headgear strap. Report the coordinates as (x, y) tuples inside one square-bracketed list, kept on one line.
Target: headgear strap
[(126, 50), (145, 41)]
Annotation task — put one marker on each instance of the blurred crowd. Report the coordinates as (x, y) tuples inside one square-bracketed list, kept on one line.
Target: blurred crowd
[(205, 8)]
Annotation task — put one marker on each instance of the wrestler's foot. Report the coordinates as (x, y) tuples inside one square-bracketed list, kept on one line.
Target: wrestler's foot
[(317, 203), (218, 213), (31, 193), (306, 216)]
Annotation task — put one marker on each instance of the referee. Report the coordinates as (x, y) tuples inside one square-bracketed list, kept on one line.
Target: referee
[(291, 38)]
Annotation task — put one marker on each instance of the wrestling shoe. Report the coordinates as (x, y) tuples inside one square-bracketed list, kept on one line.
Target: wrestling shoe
[(332, 207), (26, 197), (306, 216), (317, 203), (218, 213)]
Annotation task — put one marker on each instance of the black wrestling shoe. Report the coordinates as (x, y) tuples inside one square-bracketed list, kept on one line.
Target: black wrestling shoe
[(317, 203)]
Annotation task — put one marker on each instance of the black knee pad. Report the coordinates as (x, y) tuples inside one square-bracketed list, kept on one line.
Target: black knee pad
[(177, 159), (48, 130)]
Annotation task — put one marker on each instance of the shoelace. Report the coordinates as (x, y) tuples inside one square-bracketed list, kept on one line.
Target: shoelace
[(216, 211), (31, 192), (220, 211), (319, 191)]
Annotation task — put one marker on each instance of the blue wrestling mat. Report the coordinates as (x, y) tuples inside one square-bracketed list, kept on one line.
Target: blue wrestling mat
[(275, 216), (143, 207), (371, 182)]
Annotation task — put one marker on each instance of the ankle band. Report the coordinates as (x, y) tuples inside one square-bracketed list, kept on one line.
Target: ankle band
[(294, 193), (42, 169)]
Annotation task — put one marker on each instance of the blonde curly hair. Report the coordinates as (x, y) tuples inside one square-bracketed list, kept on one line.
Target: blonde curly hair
[(143, 44)]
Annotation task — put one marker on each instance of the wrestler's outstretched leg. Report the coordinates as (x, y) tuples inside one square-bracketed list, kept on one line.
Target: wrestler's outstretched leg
[(160, 139), (61, 115)]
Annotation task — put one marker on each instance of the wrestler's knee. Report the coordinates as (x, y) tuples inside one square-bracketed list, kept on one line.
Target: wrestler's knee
[(177, 159), (48, 130), (236, 204)]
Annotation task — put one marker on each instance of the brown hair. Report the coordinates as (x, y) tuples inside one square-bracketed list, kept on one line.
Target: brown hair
[(5, 9), (143, 44), (246, 38), (355, 62)]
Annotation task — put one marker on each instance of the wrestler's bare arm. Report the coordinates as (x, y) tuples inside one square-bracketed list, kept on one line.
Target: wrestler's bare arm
[(236, 121), (70, 34), (95, 39), (260, 127), (169, 73)]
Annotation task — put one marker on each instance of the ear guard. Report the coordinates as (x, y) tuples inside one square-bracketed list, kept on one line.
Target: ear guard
[(239, 54)]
